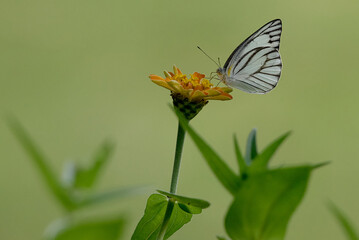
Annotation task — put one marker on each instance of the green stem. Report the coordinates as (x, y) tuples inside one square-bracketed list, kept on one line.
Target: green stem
[(166, 219), (174, 181), (177, 161)]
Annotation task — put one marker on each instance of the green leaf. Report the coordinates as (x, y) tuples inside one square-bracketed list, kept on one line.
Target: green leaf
[(265, 202), (152, 219), (190, 209), (150, 224), (86, 177), (319, 165), (260, 163), (186, 200), (109, 229), (221, 238), (177, 220), (251, 150), (41, 162), (96, 198), (347, 226), (241, 162), (224, 174)]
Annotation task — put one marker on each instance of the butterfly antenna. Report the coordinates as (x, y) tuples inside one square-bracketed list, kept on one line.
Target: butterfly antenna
[(208, 56), (219, 62)]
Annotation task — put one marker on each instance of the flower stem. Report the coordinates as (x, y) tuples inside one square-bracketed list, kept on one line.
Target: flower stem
[(175, 173), (166, 219), (177, 161)]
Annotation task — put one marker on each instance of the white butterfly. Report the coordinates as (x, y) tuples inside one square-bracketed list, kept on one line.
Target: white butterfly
[(255, 65)]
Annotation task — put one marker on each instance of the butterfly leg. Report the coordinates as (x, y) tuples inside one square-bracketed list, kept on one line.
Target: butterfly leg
[(211, 75)]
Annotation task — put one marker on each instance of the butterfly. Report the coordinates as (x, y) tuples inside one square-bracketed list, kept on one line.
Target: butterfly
[(255, 65)]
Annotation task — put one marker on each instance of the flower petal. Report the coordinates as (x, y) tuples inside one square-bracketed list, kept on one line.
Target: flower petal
[(175, 69), (212, 92), (156, 77), (197, 95), (176, 86), (223, 96), (198, 75), (167, 74), (163, 83), (224, 89)]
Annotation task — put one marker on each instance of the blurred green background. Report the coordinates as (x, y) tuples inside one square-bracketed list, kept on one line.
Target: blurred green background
[(76, 73)]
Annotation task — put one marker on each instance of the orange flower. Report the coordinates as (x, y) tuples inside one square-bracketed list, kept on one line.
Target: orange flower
[(195, 89)]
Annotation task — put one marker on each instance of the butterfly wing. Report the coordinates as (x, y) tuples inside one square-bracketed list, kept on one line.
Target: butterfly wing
[(258, 71), (255, 65)]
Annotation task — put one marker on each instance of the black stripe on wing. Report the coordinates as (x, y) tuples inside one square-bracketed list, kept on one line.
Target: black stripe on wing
[(256, 88), (260, 68), (270, 72), (272, 28), (246, 58)]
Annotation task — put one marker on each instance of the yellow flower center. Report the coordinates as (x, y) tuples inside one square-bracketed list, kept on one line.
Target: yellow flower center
[(206, 83), (195, 81), (181, 78)]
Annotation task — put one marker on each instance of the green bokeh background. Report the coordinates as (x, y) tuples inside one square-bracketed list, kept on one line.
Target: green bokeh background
[(76, 73)]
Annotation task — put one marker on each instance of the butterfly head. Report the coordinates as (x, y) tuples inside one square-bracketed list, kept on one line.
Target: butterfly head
[(221, 72)]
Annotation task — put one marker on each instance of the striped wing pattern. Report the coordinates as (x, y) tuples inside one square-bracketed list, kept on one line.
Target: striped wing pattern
[(255, 66)]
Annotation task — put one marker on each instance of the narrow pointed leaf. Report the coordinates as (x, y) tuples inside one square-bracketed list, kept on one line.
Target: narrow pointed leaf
[(240, 160), (96, 198), (251, 149), (261, 161), (224, 174), (221, 238), (41, 162), (265, 202), (319, 165), (346, 225), (86, 177), (186, 200), (109, 229), (150, 224)]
